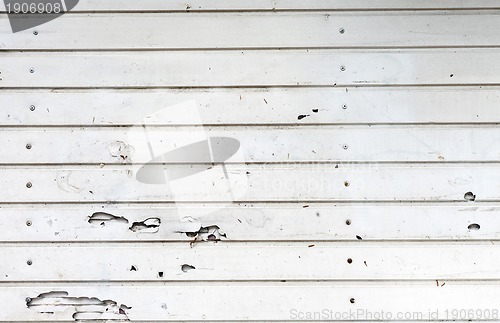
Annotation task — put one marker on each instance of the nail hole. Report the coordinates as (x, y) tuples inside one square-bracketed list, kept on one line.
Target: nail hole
[(133, 268), (28, 146), (469, 196), (345, 147), (352, 300), (28, 223), (341, 30), (474, 227), (32, 107), (32, 70), (28, 300), (35, 32), (185, 268), (29, 262), (160, 274), (359, 238), (342, 68), (451, 75), (349, 260), (346, 184), (29, 185), (348, 222), (315, 110), (344, 106)]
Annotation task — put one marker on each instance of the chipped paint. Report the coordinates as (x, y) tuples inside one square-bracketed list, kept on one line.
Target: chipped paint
[(103, 218), (81, 308), (149, 225), (122, 151), (66, 183)]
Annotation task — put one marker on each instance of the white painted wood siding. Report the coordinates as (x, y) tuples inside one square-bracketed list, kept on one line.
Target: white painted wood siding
[(365, 185)]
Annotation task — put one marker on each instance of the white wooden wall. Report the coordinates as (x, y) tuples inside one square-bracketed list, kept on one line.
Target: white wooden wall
[(367, 178)]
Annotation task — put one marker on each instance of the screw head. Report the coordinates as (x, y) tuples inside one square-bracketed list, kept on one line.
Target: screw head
[(29, 185), (342, 68), (28, 223), (32, 107), (28, 299), (341, 30), (29, 262), (28, 146)]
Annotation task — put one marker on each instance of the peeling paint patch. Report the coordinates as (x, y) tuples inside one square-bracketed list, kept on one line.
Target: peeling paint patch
[(64, 183), (474, 227), (103, 218), (469, 196), (208, 233), (150, 225), (185, 268), (84, 308), (121, 151)]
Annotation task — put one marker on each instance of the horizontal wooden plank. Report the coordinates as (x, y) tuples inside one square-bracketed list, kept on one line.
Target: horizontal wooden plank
[(237, 302), (288, 182), (251, 222), (250, 68), (256, 30), (273, 5), (249, 144), (250, 106), (257, 261)]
